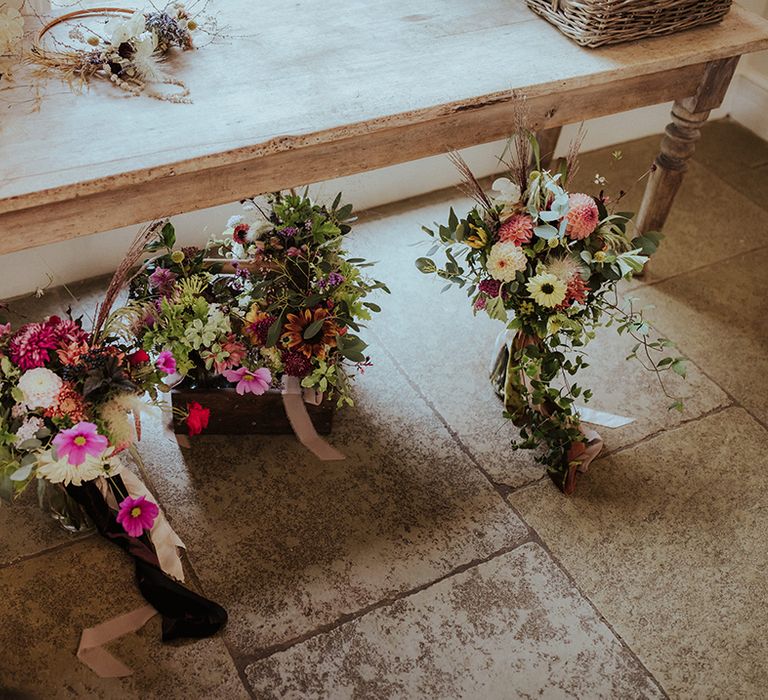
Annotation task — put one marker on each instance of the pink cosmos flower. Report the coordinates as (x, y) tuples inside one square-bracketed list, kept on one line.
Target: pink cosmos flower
[(78, 442), (137, 515), (248, 381), (166, 362)]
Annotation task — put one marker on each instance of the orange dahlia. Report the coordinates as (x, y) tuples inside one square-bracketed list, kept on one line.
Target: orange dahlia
[(518, 229), (69, 404), (316, 344)]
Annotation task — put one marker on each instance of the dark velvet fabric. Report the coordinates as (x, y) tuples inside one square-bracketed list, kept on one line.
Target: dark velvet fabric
[(184, 612)]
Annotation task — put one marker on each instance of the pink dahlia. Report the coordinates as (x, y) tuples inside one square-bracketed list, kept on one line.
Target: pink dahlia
[(162, 281), (79, 442), (518, 229), (66, 331), (137, 515), (249, 381), (582, 216), (30, 345), (237, 353)]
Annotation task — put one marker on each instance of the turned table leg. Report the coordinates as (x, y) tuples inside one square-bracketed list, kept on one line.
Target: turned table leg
[(679, 144)]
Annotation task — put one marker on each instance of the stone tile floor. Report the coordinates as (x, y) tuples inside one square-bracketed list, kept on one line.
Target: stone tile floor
[(434, 562)]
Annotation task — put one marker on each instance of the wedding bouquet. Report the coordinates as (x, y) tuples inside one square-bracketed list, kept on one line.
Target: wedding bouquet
[(70, 403), (546, 262)]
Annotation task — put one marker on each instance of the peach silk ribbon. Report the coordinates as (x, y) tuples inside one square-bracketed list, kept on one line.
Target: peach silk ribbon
[(294, 398), (166, 543)]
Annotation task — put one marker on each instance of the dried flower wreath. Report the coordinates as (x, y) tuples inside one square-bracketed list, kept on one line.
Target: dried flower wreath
[(129, 57)]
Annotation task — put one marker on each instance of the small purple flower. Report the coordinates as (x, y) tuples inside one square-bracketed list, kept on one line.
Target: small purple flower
[(162, 280), (288, 231), (333, 280), (166, 362)]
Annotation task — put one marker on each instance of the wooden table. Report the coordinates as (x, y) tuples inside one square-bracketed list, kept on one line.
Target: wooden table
[(325, 88)]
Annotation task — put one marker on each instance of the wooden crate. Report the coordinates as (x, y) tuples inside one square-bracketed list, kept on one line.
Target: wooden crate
[(232, 414)]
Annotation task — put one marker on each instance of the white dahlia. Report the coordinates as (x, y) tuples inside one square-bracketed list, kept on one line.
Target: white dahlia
[(505, 261), (40, 387)]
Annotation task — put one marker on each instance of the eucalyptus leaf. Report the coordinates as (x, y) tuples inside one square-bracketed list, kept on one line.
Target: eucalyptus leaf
[(22, 473)]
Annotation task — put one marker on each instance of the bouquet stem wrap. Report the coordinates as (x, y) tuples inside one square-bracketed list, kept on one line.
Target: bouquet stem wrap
[(184, 612), (513, 385)]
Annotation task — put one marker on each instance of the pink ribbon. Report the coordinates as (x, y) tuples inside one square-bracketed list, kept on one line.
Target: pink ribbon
[(91, 651), (166, 543), (296, 410)]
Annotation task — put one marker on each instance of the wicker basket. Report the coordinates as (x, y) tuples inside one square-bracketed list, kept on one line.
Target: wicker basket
[(597, 22)]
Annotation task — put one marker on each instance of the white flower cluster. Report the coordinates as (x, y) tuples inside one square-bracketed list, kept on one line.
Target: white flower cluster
[(203, 334)]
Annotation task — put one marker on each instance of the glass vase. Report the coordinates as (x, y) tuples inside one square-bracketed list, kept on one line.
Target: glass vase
[(65, 510)]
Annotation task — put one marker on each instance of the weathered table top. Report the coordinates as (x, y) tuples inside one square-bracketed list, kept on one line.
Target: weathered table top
[(320, 88)]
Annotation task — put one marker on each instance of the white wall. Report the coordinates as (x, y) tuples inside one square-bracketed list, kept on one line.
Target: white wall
[(21, 273), (749, 94)]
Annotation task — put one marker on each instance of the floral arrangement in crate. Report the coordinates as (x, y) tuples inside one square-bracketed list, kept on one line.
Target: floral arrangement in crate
[(547, 263), (70, 403), (274, 298), (306, 299)]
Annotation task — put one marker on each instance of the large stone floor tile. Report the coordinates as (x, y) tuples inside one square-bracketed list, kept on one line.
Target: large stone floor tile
[(446, 351), (737, 156), (288, 543), (669, 540), (513, 627), (625, 388), (717, 316), (49, 600)]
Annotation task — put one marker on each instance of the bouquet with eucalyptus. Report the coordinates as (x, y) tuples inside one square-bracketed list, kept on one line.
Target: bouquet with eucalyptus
[(547, 263)]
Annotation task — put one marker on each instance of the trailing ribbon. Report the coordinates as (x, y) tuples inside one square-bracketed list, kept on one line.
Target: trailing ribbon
[(164, 538), (293, 399), (98, 659), (184, 612)]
